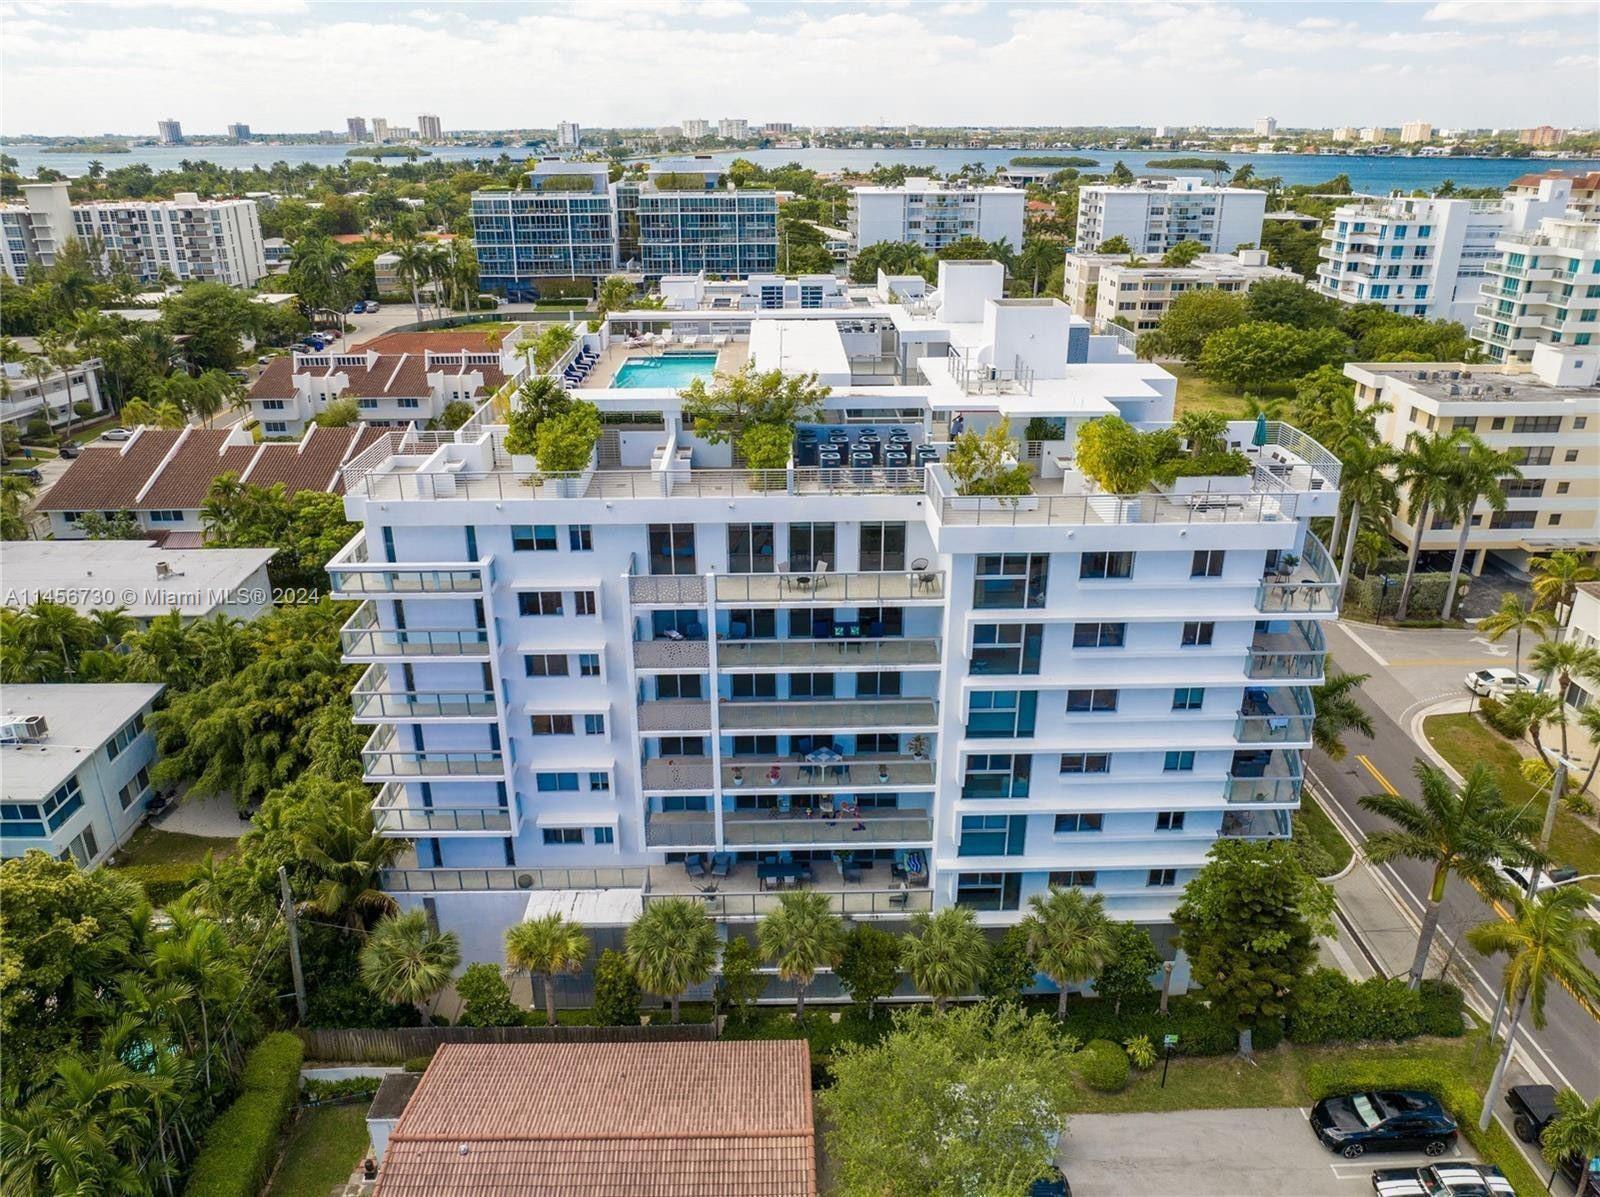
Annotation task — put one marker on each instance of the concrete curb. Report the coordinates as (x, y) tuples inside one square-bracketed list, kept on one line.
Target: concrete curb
[(1449, 706)]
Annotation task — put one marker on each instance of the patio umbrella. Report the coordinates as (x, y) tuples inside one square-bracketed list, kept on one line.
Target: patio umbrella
[(1260, 437)]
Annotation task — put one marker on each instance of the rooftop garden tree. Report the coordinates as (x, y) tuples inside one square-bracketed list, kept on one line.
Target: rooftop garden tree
[(537, 399), (986, 463), (734, 404), (564, 443), (671, 947)]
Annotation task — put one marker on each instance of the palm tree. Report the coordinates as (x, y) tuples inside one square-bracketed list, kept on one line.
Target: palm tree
[(945, 954), (1555, 581), (349, 855), (1069, 938), (1342, 426), (670, 947), (1531, 712), (112, 625), (801, 935), (411, 264), (1336, 711), (1543, 943), (1574, 1133), (1565, 659), (15, 491), (39, 369), (1589, 720), (1366, 487), (547, 946), (1424, 469), (1455, 831), (406, 960), (1516, 616), (1475, 478), (63, 356)]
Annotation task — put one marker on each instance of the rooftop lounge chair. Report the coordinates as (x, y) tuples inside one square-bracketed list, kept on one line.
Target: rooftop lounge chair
[(694, 865)]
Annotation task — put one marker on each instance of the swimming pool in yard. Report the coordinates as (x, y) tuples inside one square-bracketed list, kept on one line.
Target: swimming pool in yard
[(672, 371)]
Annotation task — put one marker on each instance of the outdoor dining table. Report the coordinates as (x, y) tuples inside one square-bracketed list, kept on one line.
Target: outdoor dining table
[(782, 870)]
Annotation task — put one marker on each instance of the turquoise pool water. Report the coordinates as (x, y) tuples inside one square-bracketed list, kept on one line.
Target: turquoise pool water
[(673, 371)]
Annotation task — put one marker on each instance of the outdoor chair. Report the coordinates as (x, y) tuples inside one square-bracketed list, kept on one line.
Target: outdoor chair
[(694, 865)]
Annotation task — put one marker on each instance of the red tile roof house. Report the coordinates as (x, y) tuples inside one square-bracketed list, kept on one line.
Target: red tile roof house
[(162, 475), (392, 387), (709, 1119)]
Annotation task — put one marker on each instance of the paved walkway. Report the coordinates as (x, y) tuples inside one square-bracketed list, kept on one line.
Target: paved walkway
[(214, 818)]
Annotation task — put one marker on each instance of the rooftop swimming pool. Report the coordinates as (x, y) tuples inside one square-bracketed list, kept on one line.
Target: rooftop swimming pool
[(672, 371)]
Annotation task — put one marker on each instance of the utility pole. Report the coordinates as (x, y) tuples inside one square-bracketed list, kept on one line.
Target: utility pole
[(294, 942), (1558, 785)]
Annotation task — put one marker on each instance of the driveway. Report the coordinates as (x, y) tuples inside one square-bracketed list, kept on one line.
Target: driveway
[(1414, 667), (1213, 1153)]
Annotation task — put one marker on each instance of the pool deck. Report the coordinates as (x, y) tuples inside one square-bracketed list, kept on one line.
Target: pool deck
[(730, 360)]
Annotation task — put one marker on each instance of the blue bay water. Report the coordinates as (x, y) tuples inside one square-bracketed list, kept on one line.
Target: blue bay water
[(1375, 174)]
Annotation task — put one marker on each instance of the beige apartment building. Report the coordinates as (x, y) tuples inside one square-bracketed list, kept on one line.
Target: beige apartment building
[(1102, 287), (1546, 411)]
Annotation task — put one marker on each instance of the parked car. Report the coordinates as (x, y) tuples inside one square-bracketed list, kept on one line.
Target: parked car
[(370, 306), (241, 375), (1054, 1185), (69, 450), (1533, 1107), (117, 434), (1552, 878), (32, 475), (1497, 682), (264, 360), (1442, 1180), (1385, 1120)]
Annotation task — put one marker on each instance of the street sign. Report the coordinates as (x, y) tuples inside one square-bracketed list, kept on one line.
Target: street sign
[(1170, 1041)]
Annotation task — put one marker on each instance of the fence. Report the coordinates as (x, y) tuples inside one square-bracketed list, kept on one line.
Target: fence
[(394, 1045)]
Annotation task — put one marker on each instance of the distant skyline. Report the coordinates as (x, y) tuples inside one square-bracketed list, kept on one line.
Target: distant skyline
[(86, 68)]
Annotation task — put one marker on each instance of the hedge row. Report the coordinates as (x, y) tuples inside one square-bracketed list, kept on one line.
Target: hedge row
[(241, 1144), (1458, 1096), (1427, 594)]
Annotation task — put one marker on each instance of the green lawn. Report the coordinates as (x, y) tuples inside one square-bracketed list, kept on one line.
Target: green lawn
[(151, 847), (1314, 823), (1198, 393), (323, 1148), (1464, 740)]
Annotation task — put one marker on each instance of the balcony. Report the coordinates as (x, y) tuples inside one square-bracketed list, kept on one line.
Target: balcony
[(353, 576), (373, 702), (674, 715), (847, 589), (889, 653), (460, 881), (382, 758), (1270, 777), (1297, 653), (697, 829), (395, 817), (671, 655), (1255, 825), (363, 639), (1282, 715), (828, 714), (867, 771), (740, 895), (667, 590), (1311, 587)]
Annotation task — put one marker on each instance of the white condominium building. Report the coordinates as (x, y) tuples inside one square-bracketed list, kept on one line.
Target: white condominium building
[(665, 674), (1106, 287), (696, 129), (1413, 131), (568, 134), (54, 396), (1153, 215), (356, 128), (429, 128), (933, 213), (170, 132), (1426, 257), (733, 129), (1584, 201), (1545, 412), (1544, 289)]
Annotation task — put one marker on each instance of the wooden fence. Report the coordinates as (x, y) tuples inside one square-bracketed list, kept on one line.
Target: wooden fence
[(395, 1045)]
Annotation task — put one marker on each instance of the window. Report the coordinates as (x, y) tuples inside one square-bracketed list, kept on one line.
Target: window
[(877, 685), (999, 714), (165, 517), (1536, 424), (679, 685), (989, 891), (809, 544), (993, 835), (671, 549), (1073, 879), (811, 685), (883, 546), (1563, 487), (1079, 701), (539, 602), (545, 664), (753, 685), (1540, 455), (1178, 761), (1010, 580), (1207, 564), (1086, 762), (1571, 456), (1198, 633), (135, 789), (1188, 698), (552, 725), (1169, 820), (1073, 824), (583, 602), (683, 746), (84, 848), (997, 775), (1523, 488), (563, 835), (589, 664), (594, 725), (1106, 565), (1512, 519), (533, 538), (599, 783), (750, 549), (1161, 878), (1099, 635), (125, 736), (605, 835), (1000, 648), (580, 538), (556, 783)]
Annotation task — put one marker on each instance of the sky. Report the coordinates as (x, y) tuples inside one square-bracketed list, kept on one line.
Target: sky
[(84, 67)]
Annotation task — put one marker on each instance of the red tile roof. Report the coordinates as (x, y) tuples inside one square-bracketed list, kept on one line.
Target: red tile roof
[(109, 476), (309, 464), (1585, 181), (199, 461), (276, 381), (608, 1120)]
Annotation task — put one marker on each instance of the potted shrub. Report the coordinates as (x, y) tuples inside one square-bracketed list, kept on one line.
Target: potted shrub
[(536, 401), (564, 445), (986, 464), (917, 746)]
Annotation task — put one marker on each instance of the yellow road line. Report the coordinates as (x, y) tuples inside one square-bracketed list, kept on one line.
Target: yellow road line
[(1378, 777)]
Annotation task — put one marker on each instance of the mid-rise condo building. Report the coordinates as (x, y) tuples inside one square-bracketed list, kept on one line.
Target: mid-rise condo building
[(356, 128), (696, 129), (1109, 288), (1544, 289), (170, 132), (667, 674), (731, 128), (53, 394), (1546, 412), (239, 132), (569, 134), (429, 128), (1153, 215), (933, 213)]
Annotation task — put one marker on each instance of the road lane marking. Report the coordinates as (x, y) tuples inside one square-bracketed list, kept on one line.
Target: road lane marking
[(1362, 644), (1378, 777)]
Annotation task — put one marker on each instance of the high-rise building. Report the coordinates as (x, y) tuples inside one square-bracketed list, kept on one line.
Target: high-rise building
[(1347, 133), (380, 130), (593, 690), (933, 213), (357, 125), (239, 132), (1153, 215), (1374, 134), (696, 129), (733, 129), (1543, 135), (429, 128), (568, 134), (212, 240), (1415, 131), (1543, 287), (170, 131), (1266, 126), (778, 128)]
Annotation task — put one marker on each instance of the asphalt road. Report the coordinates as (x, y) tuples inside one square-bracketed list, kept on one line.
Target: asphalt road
[(1567, 1050)]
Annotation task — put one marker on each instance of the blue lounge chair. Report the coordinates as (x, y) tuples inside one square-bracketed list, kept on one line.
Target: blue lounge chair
[(694, 865), (721, 864)]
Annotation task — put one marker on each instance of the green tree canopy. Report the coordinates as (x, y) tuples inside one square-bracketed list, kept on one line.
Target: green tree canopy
[(1258, 355), (736, 403), (1191, 320)]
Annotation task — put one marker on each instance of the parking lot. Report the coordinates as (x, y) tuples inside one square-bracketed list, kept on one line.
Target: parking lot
[(1213, 1153)]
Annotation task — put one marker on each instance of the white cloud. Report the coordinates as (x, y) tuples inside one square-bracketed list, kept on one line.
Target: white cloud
[(721, 9), (961, 8), (1499, 12)]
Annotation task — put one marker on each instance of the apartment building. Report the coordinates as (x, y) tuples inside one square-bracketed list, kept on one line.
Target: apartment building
[(1583, 202), (429, 128), (34, 231), (25, 398), (1546, 412), (668, 675), (562, 225), (1266, 126), (767, 292), (1543, 290), (356, 128), (1415, 131), (934, 213), (689, 220), (169, 132), (694, 130), (1153, 215), (380, 129), (569, 135), (1108, 287), (76, 761), (1584, 629), (239, 132), (733, 129), (1426, 257)]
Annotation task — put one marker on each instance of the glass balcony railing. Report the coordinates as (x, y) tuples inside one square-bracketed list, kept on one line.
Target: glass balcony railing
[(797, 586), (1296, 652), (1255, 825), (828, 714), (1280, 715), (442, 881), (383, 757), (897, 652), (362, 637), (373, 701), (394, 816), (1311, 587)]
